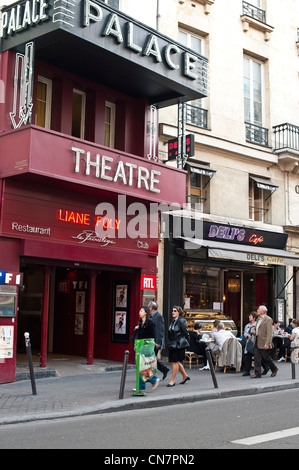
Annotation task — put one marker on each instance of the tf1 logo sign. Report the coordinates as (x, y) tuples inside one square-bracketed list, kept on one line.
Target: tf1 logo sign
[(148, 282), (11, 278)]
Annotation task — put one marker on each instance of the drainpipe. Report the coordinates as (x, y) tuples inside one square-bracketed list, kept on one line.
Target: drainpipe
[(158, 16)]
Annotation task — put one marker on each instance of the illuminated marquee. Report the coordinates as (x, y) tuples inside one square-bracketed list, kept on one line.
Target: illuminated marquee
[(125, 172), (23, 16), (93, 13)]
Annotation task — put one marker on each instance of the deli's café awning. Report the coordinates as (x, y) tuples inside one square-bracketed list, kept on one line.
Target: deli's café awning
[(250, 254), (244, 244), (93, 40)]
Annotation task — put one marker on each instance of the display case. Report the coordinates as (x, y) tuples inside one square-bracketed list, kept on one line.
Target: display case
[(8, 301), (207, 317)]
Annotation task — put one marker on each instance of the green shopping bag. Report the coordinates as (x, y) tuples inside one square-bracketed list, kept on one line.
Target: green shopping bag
[(146, 361)]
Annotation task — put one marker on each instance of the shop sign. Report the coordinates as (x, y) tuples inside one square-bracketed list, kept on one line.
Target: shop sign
[(91, 223), (173, 147), (244, 236), (11, 278), (148, 282)]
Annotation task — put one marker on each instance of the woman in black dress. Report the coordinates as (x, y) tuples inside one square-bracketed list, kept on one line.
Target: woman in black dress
[(178, 342)]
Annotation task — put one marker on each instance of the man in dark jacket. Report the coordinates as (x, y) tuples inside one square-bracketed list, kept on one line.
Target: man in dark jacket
[(158, 321), (197, 347)]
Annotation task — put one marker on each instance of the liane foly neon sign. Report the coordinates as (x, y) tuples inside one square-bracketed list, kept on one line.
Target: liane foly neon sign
[(86, 219)]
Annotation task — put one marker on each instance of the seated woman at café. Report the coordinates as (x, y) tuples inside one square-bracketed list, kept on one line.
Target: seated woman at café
[(276, 339), (196, 346), (287, 343)]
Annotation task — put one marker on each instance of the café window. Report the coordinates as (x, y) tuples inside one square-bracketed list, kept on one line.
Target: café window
[(260, 192), (109, 124), (78, 114), (43, 102), (202, 286)]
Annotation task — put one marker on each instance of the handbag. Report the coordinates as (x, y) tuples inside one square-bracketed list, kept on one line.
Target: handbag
[(249, 346)]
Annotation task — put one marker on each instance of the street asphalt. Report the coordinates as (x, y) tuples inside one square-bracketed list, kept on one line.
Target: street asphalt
[(69, 388)]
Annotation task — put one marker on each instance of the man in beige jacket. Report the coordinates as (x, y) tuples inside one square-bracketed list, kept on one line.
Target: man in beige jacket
[(263, 342)]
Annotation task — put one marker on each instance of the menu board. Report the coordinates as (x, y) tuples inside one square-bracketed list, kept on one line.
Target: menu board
[(6, 341)]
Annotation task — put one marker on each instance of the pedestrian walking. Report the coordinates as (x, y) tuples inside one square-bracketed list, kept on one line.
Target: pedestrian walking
[(263, 343), (145, 330), (178, 342), (158, 321)]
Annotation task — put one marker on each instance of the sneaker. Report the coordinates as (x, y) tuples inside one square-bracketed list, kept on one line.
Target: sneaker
[(281, 359), (155, 385)]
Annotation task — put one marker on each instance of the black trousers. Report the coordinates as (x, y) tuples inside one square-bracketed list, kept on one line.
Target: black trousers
[(160, 366), (262, 355)]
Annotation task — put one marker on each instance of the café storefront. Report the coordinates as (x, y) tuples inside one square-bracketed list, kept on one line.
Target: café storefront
[(229, 270)]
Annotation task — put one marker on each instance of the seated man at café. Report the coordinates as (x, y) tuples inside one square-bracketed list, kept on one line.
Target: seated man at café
[(220, 336), (196, 346)]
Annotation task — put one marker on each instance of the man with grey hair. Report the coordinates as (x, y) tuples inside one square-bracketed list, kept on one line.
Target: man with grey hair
[(263, 343), (158, 321)]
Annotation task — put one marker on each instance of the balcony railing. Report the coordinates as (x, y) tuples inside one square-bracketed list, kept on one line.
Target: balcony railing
[(257, 134), (254, 12), (196, 116), (286, 137)]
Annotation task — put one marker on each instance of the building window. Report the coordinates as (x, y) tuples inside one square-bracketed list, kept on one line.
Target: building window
[(194, 191), (43, 102), (78, 114), (256, 202), (254, 102), (109, 124), (195, 112)]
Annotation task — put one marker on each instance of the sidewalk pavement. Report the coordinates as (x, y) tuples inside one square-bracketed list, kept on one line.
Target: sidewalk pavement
[(79, 389)]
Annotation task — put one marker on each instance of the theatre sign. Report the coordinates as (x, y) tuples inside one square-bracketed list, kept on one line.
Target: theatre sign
[(147, 57)]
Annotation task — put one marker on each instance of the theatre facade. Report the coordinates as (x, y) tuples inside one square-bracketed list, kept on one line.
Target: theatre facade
[(80, 182)]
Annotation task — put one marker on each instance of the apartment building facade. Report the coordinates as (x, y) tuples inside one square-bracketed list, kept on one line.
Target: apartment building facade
[(243, 176)]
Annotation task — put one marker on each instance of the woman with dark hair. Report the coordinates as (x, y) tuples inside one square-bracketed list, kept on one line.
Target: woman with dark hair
[(178, 342), (146, 330)]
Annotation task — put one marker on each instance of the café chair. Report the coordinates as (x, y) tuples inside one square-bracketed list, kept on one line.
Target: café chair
[(230, 355), (189, 357)]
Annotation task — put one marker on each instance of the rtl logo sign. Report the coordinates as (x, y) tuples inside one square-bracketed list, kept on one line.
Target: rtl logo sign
[(11, 278), (148, 282)]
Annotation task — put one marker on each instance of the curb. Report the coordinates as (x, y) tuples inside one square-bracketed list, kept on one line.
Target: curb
[(136, 403)]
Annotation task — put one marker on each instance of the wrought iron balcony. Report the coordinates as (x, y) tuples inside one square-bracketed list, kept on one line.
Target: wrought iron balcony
[(257, 134), (254, 12), (286, 137), (196, 116)]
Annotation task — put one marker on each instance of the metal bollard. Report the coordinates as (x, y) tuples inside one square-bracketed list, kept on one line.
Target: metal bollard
[(294, 360), (123, 376), (29, 356), (209, 357)]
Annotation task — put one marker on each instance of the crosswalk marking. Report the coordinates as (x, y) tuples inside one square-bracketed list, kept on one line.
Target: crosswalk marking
[(272, 436)]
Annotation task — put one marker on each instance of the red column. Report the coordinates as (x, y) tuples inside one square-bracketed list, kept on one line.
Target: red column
[(91, 314), (45, 317)]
